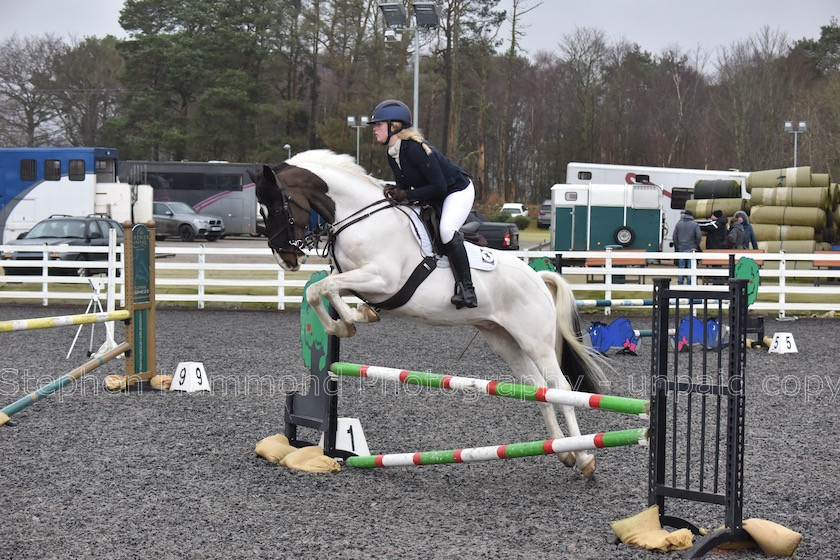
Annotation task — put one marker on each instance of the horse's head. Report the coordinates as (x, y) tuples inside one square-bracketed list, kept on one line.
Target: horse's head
[(286, 217)]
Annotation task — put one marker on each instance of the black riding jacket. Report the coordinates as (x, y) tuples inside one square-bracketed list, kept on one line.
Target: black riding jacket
[(427, 177)]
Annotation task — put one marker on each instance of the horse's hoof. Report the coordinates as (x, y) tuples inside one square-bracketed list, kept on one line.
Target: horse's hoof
[(370, 315), (567, 458), (588, 469), (343, 330)]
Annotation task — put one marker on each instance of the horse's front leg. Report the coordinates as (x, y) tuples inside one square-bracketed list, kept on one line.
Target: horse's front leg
[(332, 288), (555, 379)]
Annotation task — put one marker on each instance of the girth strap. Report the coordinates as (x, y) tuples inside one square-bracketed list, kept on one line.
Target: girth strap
[(426, 266)]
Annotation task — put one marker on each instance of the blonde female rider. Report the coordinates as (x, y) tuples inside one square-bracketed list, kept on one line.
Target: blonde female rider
[(423, 174)]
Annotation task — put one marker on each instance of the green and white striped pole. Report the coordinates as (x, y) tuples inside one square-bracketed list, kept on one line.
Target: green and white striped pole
[(579, 399), (637, 436), (57, 384)]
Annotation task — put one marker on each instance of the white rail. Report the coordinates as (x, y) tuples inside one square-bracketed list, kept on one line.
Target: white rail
[(201, 275)]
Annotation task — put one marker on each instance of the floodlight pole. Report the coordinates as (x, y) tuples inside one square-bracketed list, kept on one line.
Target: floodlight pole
[(801, 127), (363, 122), (416, 75), (426, 16)]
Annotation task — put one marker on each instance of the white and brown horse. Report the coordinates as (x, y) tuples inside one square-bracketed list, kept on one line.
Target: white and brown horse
[(528, 318)]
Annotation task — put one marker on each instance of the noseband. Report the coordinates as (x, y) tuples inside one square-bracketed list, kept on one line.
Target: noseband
[(296, 243)]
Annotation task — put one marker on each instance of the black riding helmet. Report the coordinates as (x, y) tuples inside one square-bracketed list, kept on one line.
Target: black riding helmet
[(391, 110)]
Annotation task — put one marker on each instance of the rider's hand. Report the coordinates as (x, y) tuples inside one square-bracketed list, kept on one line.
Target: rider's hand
[(396, 194)]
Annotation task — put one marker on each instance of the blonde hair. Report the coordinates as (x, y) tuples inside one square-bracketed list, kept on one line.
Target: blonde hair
[(416, 135)]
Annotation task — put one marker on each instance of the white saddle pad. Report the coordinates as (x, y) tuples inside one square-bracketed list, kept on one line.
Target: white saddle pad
[(481, 258)]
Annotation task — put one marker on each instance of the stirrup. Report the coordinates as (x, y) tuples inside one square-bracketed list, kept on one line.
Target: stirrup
[(459, 300)]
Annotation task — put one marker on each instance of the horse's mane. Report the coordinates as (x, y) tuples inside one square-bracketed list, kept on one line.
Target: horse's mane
[(344, 162)]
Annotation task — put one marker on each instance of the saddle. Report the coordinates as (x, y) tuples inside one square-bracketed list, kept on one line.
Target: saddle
[(430, 217), (430, 220)]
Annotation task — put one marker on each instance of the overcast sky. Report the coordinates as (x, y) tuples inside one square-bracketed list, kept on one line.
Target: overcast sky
[(653, 24), (659, 24)]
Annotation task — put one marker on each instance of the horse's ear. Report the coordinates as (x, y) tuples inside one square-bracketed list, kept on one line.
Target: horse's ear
[(268, 175), (252, 176), (267, 188)]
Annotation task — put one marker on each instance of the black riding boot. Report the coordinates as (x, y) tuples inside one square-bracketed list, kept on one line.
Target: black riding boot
[(460, 264)]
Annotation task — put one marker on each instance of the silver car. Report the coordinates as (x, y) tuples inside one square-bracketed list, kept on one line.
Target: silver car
[(179, 218), (544, 219), (62, 231)]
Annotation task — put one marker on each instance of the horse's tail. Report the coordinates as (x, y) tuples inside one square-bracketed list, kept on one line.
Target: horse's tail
[(581, 367)]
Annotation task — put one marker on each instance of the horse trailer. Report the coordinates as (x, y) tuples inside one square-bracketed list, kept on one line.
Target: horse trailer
[(676, 185), (595, 217)]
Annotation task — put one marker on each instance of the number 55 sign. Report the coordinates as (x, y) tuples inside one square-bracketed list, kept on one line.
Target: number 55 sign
[(783, 343)]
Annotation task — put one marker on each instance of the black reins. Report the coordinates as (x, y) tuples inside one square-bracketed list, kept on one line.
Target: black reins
[(312, 240), (357, 216)]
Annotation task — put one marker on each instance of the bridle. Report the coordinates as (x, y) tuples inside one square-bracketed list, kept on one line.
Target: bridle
[(294, 242), (312, 239)]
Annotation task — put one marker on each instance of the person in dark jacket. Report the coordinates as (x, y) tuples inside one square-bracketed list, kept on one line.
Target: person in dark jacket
[(735, 235), (715, 230), (749, 233), (687, 237), (424, 174)]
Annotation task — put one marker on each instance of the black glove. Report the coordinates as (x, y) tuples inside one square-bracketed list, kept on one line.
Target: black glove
[(396, 194)]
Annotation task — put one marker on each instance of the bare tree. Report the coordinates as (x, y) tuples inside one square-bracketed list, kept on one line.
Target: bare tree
[(86, 89), (511, 187), (677, 87), (585, 51), (26, 79), (312, 29), (755, 94), (467, 27)]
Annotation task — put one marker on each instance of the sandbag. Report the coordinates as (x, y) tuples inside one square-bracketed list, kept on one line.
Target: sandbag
[(161, 382), (788, 246), (310, 459), (788, 177), (704, 208), (644, 530), (789, 216), (274, 448), (721, 188), (116, 382), (773, 539), (835, 195), (813, 197), (775, 232), (820, 179), (277, 449)]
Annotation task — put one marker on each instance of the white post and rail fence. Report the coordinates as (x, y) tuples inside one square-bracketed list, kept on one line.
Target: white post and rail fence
[(218, 276)]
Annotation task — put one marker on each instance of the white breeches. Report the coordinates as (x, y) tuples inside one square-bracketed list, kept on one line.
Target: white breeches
[(456, 207)]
